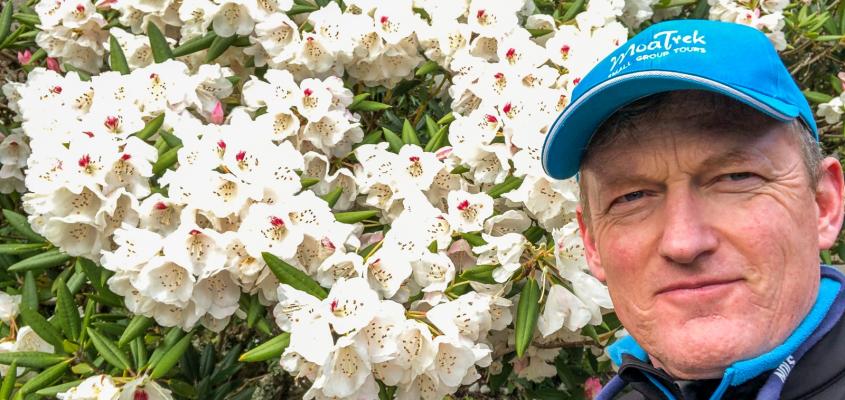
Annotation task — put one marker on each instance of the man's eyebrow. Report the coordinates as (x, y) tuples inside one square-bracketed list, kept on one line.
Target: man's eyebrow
[(733, 157)]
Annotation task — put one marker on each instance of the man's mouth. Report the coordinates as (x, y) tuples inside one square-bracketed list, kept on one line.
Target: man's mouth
[(698, 286)]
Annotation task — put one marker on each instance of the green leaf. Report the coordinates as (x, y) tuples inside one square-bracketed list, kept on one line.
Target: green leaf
[(47, 259), (358, 98), (460, 169), (170, 338), (817, 97), (161, 50), (171, 357), (194, 45), (427, 68), (369, 106), (431, 125), (371, 138), (66, 311), (302, 9), (218, 46), (510, 183), (573, 10), (394, 140), (474, 239), (26, 19), (539, 32), (9, 379), (29, 294), (290, 275), (137, 326), (170, 139), (527, 312), (150, 128), (90, 306), (22, 248), (351, 217), (446, 119), (19, 224), (117, 59), (6, 21), (481, 273), (207, 359), (437, 140), (166, 160), (45, 378), (308, 182), (110, 352), (268, 350), (52, 391), (409, 134), (533, 234), (31, 359), (138, 351), (332, 197), (42, 327), (254, 311)]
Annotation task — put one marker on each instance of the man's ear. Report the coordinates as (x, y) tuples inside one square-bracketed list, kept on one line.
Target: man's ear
[(590, 250), (829, 201)]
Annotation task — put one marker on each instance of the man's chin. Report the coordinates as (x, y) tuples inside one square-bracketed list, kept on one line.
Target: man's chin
[(702, 348)]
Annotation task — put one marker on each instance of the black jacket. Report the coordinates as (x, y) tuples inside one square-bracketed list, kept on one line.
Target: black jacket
[(818, 374)]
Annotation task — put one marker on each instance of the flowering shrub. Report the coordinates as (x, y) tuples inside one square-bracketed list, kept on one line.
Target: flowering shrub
[(203, 193)]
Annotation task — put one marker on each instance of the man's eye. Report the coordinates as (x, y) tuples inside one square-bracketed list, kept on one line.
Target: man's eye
[(630, 197), (738, 176)]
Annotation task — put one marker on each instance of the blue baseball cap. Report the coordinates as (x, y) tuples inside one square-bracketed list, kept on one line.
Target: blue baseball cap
[(732, 59)]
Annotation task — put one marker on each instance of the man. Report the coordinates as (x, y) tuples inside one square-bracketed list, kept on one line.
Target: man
[(704, 204)]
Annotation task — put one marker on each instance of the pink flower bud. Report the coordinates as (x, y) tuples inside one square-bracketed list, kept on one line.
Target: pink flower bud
[(53, 64), (592, 387), (217, 115), (23, 58)]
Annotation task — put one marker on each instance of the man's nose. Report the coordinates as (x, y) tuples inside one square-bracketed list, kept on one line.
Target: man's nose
[(687, 234)]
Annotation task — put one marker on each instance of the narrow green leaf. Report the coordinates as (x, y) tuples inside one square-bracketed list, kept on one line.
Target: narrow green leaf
[(817, 97), (29, 294), (358, 98), (47, 259), (437, 140), (171, 139), (474, 239), (427, 68), (446, 119), (26, 19), (166, 160), (218, 46), (194, 45), (254, 311), (52, 391), (9, 379), (332, 197), (11, 38), (510, 183), (139, 352), (45, 378), (533, 234), (539, 32), (31, 359), (117, 60), (369, 106), (527, 312), (137, 326), (308, 182), (158, 44), (460, 169), (42, 327), (351, 217), (301, 9), (409, 134), (22, 248), (394, 140), (480, 273), (90, 306), (171, 357), (6, 21), (290, 275), (371, 138), (150, 128), (110, 352), (431, 126), (20, 224), (170, 338), (66, 311), (268, 350), (207, 359)]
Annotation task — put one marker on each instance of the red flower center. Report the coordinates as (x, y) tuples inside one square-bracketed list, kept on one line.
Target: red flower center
[(308, 92), (492, 119), (463, 205), (383, 19), (510, 53), (194, 232), (56, 89), (160, 206), (125, 156), (414, 158), (221, 144), (140, 394), (111, 122), (84, 161), (507, 108), (240, 156), (276, 221)]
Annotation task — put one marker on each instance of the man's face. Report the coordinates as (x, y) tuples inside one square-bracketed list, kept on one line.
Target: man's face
[(708, 241)]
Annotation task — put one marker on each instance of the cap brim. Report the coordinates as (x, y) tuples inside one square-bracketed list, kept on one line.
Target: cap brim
[(571, 131)]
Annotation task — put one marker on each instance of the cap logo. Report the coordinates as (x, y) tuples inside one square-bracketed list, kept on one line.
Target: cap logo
[(663, 43)]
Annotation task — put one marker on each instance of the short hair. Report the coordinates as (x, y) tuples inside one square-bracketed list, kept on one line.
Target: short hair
[(708, 110)]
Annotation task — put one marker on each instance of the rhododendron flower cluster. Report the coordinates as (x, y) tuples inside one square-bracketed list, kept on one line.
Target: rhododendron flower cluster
[(212, 156)]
